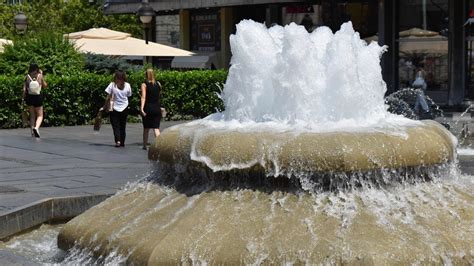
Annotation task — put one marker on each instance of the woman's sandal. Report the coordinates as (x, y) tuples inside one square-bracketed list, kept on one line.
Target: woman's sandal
[(117, 144)]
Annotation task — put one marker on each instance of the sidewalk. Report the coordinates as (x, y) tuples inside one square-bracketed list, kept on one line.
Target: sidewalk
[(67, 161)]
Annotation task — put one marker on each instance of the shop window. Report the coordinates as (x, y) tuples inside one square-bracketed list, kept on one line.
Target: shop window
[(362, 14), (423, 43), (470, 50)]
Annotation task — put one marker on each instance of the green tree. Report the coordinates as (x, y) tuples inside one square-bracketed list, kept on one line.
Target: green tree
[(64, 17), (7, 13), (51, 51)]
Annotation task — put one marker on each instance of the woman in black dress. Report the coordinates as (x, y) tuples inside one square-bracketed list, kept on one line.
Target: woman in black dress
[(150, 106)]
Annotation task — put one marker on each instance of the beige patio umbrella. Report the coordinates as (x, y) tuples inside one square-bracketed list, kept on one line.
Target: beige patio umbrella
[(417, 32), (3, 42), (110, 42), (421, 41), (424, 45)]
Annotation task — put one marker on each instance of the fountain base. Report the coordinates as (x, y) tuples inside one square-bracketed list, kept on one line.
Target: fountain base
[(156, 225), (196, 149), (188, 212)]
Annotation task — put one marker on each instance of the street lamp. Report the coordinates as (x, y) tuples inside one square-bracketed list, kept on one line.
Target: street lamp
[(146, 14), (21, 21)]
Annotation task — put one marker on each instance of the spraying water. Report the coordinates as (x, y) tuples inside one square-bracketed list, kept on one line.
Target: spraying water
[(289, 76)]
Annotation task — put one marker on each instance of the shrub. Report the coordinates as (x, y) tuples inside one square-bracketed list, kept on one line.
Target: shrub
[(75, 99), (104, 64), (50, 51), (192, 93)]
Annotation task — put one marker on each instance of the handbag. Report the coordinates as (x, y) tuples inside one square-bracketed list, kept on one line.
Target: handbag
[(109, 104), (24, 115), (98, 121)]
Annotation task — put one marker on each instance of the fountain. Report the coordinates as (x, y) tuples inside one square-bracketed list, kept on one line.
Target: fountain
[(305, 165)]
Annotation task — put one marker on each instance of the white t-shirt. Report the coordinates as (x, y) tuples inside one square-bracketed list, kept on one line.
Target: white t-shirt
[(120, 96)]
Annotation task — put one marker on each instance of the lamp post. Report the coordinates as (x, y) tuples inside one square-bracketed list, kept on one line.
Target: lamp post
[(146, 14), (21, 21)]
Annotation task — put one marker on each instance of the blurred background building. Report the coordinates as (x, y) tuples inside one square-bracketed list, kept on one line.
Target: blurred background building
[(434, 35)]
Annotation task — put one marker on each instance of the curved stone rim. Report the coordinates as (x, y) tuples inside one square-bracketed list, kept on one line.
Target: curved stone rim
[(285, 153)]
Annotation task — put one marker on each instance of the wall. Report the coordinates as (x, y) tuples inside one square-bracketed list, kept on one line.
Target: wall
[(167, 30)]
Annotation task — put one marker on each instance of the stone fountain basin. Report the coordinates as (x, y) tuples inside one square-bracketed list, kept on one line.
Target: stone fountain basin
[(158, 222), (157, 225), (284, 153)]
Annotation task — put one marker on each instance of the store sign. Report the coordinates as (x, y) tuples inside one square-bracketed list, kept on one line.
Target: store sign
[(205, 31)]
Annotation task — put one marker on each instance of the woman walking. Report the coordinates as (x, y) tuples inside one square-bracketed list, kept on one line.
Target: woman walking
[(118, 91), (150, 106), (34, 82)]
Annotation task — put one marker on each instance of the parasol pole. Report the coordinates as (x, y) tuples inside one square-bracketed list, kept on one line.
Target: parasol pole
[(425, 26)]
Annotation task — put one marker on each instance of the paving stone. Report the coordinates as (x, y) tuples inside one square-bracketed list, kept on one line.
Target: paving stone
[(10, 189), (10, 165), (9, 258), (15, 200), (11, 151)]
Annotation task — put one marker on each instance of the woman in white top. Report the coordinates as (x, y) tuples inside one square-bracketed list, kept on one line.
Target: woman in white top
[(119, 90)]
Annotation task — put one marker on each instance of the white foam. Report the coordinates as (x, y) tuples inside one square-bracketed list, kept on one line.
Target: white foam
[(286, 77), (466, 151)]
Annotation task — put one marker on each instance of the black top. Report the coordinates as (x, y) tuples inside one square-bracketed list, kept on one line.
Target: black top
[(152, 100)]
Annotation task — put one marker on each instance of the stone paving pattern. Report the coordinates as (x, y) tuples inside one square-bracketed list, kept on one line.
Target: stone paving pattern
[(68, 161)]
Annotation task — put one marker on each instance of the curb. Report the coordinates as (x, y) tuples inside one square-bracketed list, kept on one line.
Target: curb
[(46, 210)]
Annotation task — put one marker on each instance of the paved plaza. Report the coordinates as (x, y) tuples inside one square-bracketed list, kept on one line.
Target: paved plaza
[(67, 161)]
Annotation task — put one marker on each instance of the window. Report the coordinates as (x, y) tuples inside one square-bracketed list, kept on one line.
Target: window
[(423, 43)]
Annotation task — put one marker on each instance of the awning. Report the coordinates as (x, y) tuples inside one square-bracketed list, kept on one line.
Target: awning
[(196, 61)]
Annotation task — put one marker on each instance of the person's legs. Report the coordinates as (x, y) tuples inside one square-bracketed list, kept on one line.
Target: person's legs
[(31, 110), (145, 137), (39, 116), (38, 111), (156, 131), (422, 100), (115, 121), (123, 125)]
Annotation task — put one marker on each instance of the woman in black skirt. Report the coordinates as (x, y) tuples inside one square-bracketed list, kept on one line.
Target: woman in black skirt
[(34, 82), (150, 106)]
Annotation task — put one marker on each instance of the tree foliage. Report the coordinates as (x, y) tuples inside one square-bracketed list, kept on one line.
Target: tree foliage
[(64, 17), (53, 53), (104, 64), (43, 43)]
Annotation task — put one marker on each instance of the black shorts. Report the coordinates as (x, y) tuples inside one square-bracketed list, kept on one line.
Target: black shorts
[(34, 100)]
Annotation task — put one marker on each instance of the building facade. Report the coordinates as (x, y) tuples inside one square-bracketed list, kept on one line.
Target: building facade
[(432, 35)]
